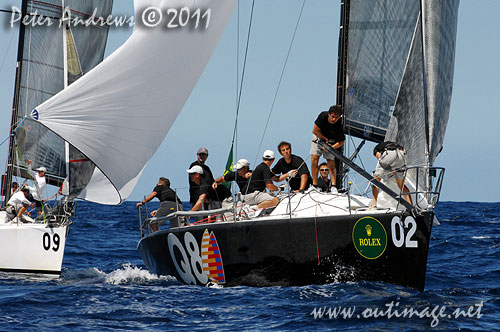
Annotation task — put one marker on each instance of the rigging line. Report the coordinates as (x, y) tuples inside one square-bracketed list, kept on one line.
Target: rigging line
[(13, 132), (243, 70), (281, 76), (7, 50)]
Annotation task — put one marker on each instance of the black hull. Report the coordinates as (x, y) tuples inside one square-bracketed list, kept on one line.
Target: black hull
[(300, 251)]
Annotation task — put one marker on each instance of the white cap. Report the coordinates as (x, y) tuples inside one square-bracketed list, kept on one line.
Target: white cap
[(41, 169), (268, 154), (195, 169), (241, 163)]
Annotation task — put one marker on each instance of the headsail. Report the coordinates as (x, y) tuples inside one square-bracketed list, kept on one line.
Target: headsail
[(118, 114), (43, 76), (423, 104)]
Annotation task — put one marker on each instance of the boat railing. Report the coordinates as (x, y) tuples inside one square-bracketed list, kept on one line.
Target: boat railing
[(424, 184), (60, 213), (145, 223)]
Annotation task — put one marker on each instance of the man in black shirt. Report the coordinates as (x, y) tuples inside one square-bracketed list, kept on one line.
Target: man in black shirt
[(292, 167), (261, 179), (323, 181), (241, 176), (206, 194), (328, 128), (202, 156), (169, 202), (253, 184)]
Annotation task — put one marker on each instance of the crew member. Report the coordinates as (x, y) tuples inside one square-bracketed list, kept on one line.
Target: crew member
[(328, 128)]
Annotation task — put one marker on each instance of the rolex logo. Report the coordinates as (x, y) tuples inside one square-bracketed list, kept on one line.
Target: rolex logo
[(368, 230)]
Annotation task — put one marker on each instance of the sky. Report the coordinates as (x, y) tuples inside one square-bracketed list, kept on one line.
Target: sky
[(471, 152)]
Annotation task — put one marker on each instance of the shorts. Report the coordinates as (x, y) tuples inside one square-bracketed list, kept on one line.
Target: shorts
[(256, 198), (391, 161), (167, 207), (319, 151)]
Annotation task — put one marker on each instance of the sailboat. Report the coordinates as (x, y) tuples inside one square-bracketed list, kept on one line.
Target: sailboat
[(395, 75), (50, 58), (100, 131)]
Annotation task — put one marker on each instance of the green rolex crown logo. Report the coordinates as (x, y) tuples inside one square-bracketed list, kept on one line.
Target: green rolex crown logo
[(369, 237)]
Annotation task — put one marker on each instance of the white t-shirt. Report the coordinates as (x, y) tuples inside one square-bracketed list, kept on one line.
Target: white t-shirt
[(40, 183), (18, 200)]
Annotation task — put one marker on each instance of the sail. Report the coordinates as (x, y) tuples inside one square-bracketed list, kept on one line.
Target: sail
[(43, 77), (118, 114), (423, 104), (379, 35)]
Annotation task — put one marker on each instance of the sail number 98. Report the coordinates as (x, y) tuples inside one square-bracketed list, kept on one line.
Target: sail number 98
[(48, 241)]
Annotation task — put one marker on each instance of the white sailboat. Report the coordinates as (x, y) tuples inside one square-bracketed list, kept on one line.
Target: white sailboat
[(50, 58), (113, 118)]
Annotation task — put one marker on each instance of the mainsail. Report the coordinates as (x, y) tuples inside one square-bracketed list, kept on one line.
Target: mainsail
[(400, 60), (118, 114), (42, 76), (398, 85), (379, 38)]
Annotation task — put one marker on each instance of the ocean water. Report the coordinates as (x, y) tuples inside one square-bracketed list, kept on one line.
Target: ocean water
[(105, 286)]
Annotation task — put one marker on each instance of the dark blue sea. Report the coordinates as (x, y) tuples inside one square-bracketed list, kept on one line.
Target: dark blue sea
[(105, 286)]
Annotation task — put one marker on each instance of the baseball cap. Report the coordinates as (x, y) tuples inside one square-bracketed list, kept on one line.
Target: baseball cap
[(202, 150), (241, 163), (41, 169), (268, 154), (195, 169)]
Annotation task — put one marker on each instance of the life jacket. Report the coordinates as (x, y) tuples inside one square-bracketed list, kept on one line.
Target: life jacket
[(387, 146)]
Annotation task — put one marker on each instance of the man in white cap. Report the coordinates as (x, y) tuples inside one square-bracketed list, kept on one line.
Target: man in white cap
[(38, 191), (202, 156), (18, 205), (241, 176), (206, 194), (260, 180)]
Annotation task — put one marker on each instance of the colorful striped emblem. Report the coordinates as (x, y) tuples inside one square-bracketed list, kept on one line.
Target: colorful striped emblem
[(211, 258)]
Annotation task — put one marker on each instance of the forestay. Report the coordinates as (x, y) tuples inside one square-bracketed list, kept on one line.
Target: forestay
[(118, 114)]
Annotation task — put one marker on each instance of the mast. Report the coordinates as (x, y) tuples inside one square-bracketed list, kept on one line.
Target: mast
[(342, 57), (65, 63), (342, 74), (15, 106), (426, 101)]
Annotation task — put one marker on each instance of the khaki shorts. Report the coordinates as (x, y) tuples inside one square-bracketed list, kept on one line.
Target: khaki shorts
[(391, 160), (319, 151), (256, 198)]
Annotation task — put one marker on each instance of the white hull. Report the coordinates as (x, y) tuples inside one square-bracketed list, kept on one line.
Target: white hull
[(32, 247)]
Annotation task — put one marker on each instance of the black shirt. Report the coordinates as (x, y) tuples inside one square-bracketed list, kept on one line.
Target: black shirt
[(219, 194), (241, 181), (193, 187), (331, 131), (324, 185), (165, 193), (283, 167), (260, 175)]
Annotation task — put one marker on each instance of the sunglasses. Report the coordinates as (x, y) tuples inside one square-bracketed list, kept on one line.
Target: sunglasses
[(324, 170)]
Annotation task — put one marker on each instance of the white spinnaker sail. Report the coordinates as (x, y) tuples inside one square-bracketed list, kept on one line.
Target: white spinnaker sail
[(119, 113)]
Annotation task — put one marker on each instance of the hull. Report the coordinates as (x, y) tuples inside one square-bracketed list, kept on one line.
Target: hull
[(32, 248), (373, 246)]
